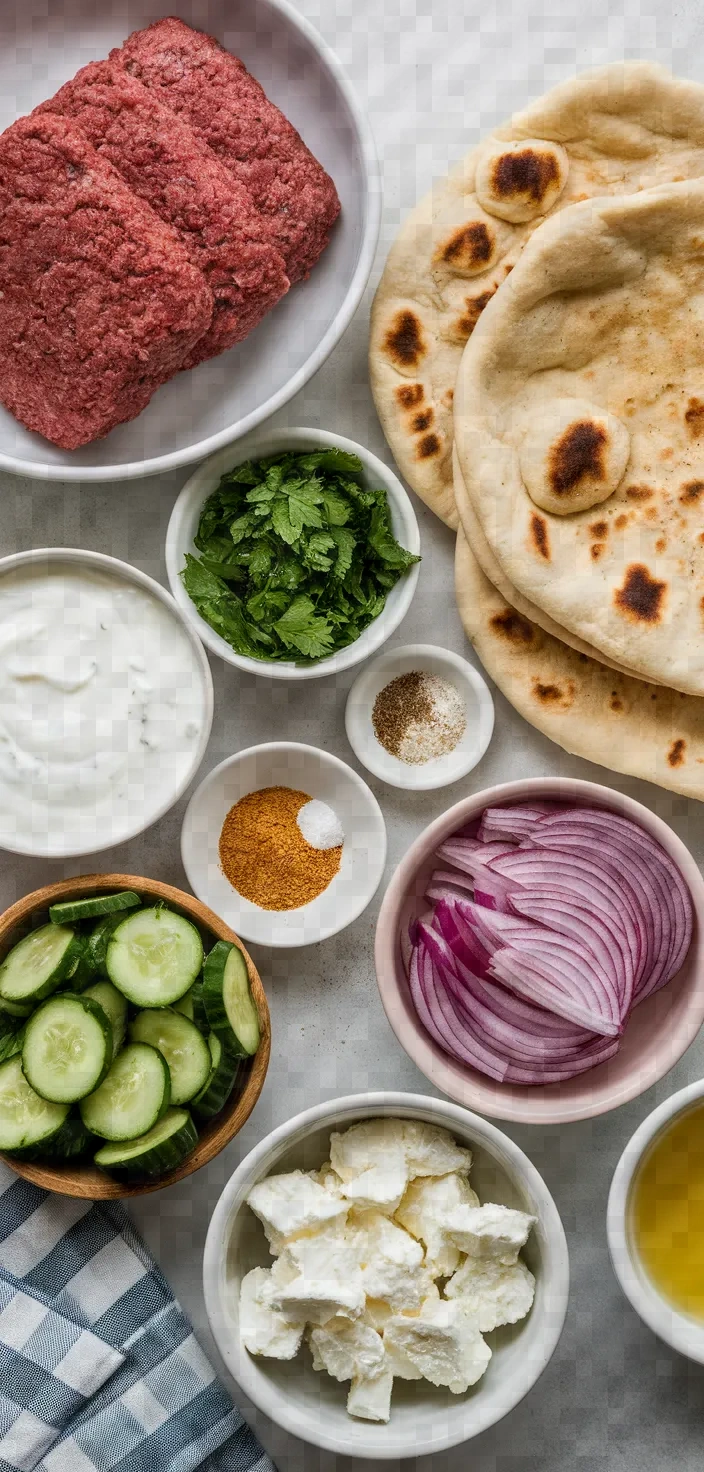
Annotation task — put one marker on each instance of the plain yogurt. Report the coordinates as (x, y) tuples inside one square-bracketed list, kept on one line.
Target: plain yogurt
[(103, 708)]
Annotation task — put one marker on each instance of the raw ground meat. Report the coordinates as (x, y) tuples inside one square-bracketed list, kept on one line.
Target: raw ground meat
[(174, 171), (213, 91), (99, 303)]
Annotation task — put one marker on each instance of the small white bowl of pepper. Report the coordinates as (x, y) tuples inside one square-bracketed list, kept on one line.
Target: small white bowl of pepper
[(419, 717)]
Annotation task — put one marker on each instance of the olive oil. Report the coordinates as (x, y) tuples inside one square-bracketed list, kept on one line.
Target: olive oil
[(667, 1213)]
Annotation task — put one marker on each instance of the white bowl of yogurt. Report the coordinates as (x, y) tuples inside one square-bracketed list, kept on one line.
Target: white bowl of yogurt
[(106, 702)]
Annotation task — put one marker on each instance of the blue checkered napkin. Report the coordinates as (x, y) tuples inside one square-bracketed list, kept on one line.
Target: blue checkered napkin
[(99, 1368)]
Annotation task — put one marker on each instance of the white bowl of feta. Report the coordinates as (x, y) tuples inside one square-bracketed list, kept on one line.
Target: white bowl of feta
[(482, 1268)]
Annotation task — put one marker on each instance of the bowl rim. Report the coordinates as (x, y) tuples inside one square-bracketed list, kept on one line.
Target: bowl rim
[(487, 1095), (156, 464), (269, 442), (330, 759), (437, 1111), (407, 777), (115, 567), (216, 1135), (676, 1328)]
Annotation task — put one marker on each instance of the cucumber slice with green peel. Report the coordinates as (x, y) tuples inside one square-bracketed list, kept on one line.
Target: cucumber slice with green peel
[(37, 965), (15, 1010), (71, 1142), (182, 1045), (193, 1007), (154, 956), (67, 1048), (228, 998), (25, 1118), (98, 941), (66, 912), (157, 1151), (114, 1006), (225, 1066), (134, 1094), (184, 1005)]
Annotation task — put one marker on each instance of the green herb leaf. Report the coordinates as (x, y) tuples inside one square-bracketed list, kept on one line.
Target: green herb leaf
[(282, 523), (302, 629)]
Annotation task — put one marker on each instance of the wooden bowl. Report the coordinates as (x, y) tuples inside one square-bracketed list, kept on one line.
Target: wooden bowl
[(87, 1180)]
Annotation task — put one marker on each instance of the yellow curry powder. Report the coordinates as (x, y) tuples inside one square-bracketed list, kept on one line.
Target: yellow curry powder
[(265, 856)]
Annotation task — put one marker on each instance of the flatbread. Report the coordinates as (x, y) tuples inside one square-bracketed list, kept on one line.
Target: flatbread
[(623, 128), (605, 309), (625, 724), (492, 569)]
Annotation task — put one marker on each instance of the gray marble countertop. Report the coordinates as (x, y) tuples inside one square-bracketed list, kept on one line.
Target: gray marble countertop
[(433, 74)]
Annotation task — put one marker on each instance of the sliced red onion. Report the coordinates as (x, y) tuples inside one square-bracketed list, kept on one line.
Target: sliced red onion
[(529, 978), (471, 856), (579, 922), (515, 822)]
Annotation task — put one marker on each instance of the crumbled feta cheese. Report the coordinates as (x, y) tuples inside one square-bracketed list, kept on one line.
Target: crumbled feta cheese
[(327, 1178), (399, 1364), (347, 1348), (327, 1281), (264, 1331), (371, 1399), (444, 1343), (489, 1231), (496, 1293), (373, 1142), (431, 1151), (390, 1260), (377, 1313), (381, 1186), (424, 1210), (291, 1204)]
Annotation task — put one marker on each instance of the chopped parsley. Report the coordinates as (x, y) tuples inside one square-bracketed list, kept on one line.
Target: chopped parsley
[(297, 556)]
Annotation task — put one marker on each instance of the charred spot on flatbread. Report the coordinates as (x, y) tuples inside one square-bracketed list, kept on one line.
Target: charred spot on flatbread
[(470, 247), (599, 529), (428, 447), (551, 695), (409, 395), (691, 492), (526, 172), (579, 452), (422, 421), (640, 493), (404, 341), (676, 754), (642, 596), (694, 418), (616, 702), (513, 627), (474, 307), (539, 536), (597, 549)]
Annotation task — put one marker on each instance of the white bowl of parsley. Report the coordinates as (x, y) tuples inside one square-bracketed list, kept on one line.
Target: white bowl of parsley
[(293, 553)]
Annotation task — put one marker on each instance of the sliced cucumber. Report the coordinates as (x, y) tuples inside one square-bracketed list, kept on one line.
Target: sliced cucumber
[(134, 1094), (154, 957), (70, 1142), (225, 1066), (181, 1044), (159, 1150), (68, 911), (25, 1119), (193, 1007), (37, 965), (184, 1005), (98, 942), (228, 997), (15, 1010), (11, 1029), (67, 1048), (114, 1006)]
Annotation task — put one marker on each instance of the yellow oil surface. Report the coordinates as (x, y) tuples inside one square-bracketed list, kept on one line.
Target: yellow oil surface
[(667, 1213)]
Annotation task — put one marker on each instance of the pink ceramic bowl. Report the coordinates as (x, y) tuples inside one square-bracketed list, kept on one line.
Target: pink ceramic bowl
[(658, 1033)]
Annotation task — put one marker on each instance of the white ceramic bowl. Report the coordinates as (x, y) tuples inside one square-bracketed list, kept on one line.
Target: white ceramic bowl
[(286, 764), (138, 815), (429, 660), (424, 1419), (198, 411), (183, 526), (677, 1329)]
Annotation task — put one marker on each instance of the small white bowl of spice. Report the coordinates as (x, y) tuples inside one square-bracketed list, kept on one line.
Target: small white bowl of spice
[(285, 842), (419, 717)]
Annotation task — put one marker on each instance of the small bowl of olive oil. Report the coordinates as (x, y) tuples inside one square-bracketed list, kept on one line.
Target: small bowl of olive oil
[(655, 1221)]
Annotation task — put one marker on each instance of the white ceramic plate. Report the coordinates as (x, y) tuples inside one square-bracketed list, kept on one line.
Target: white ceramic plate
[(140, 809), (286, 764), (441, 770), (42, 47), (183, 526), (424, 1419)]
